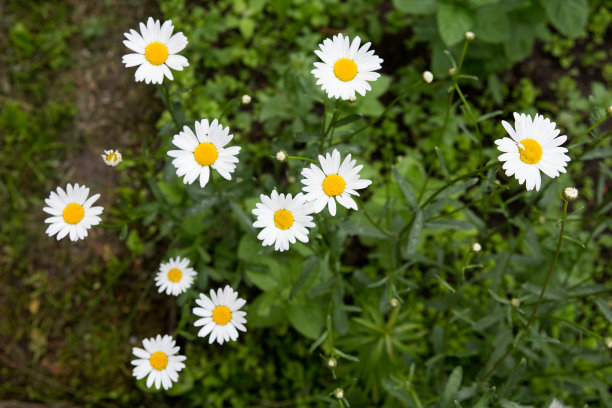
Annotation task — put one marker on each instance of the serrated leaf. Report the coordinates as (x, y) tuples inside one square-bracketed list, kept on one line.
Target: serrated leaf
[(568, 16), (453, 22)]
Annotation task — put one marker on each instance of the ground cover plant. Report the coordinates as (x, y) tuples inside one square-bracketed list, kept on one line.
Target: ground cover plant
[(332, 225)]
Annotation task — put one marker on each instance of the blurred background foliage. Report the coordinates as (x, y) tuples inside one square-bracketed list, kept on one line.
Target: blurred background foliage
[(71, 313)]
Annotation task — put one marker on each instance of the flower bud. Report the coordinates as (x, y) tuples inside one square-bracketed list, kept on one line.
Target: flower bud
[(570, 193), (352, 99), (608, 342), (281, 156), (609, 109), (332, 362), (394, 303), (515, 302), (246, 99), (475, 247), (469, 35), (452, 71), (339, 393), (428, 77)]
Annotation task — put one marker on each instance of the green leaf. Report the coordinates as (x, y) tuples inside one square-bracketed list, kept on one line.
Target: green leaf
[(484, 400), (604, 309), (415, 234), (513, 380), (568, 16), (318, 342), (597, 154), (247, 26), (304, 275), (306, 319), (520, 42), (492, 26), (452, 386), (449, 225), (416, 6), (453, 22), (406, 190)]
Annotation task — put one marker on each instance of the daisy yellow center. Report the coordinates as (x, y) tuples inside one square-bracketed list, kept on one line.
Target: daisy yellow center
[(345, 69), (111, 157), (73, 213), (222, 315), (283, 219), (156, 53), (159, 360), (175, 275), (532, 153), (333, 185), (205, 154)]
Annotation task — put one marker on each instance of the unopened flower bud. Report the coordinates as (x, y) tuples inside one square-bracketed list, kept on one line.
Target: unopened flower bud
[(570, 193), (469, 35), (332, 362), (428, 77), (281, 156), (352, 99), (339, 393), (608, 342), (394, 303), (246, 99), (291, 179), (609, 109), (452, 71), (515, 302), (475, 247)]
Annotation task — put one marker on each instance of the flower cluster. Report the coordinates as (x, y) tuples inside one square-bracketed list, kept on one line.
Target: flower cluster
[(346, 69)]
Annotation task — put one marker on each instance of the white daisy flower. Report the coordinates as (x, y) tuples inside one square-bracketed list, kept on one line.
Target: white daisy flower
[(346, 68), (204, 149), (155, 51), (72, 213), (283, 219), (334, 182), (175, 276), (533, 145), (111, 157), (221, 315), (159, 361)]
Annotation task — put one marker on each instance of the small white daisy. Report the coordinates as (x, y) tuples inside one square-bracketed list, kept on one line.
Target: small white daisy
[(533, 145), (334, 182), (346, 68), (283, 219), (72, 213), (112, 157), (159, 361), (155, 51), (202, 150), (175, 276), (220, 315)]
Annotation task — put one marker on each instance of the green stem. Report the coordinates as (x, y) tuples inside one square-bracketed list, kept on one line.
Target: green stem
[(302, 158), (457, 179), (537, 306), (586, 132), (165, 95)]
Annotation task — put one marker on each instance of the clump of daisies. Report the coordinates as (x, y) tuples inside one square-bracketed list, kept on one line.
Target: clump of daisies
[(284, 219), (155, 51), (111, 157), (71, 212), (533, 146), (333, 181), (159, 361), (221, 317), (203, 150), (175, 276), (346, 67)]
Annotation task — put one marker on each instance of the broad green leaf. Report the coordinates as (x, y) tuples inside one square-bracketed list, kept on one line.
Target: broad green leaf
[(568, 16), (307, 319), (416, 6), (452, 386), (453, 22), (492, 26), (520, 42)]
